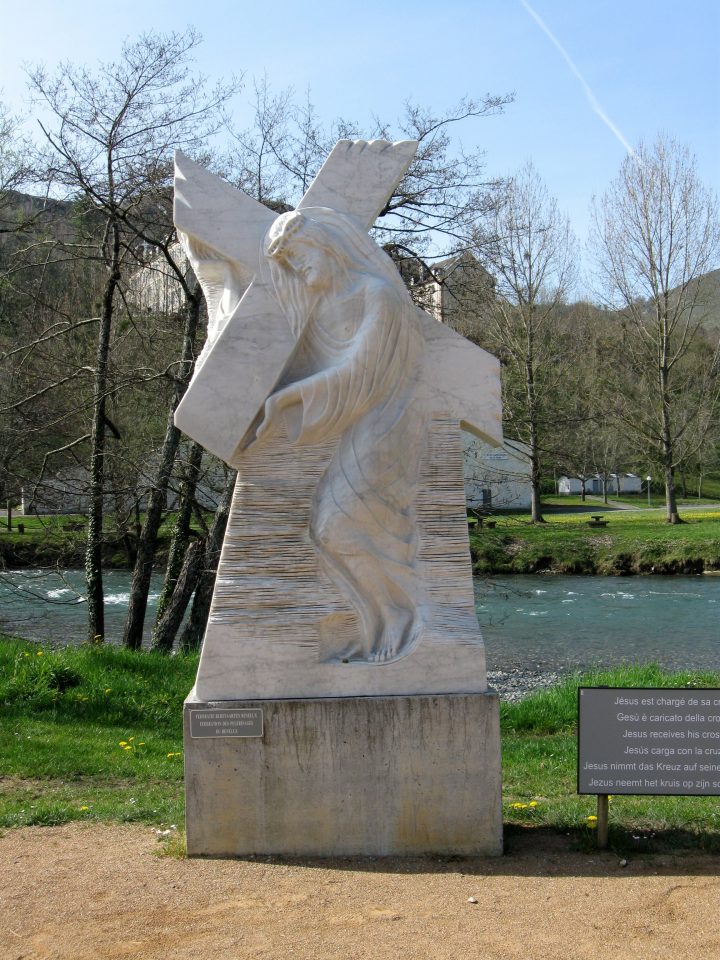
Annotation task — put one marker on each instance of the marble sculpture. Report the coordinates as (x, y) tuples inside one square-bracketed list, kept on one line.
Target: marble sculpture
[(345, 568)]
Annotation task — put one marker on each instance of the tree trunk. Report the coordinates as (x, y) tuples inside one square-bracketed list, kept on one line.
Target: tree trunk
[(670, 497), (93, 549), (667, 435), (148, 540), (181, 534), (194, 631), (535, 478), (169, 624)]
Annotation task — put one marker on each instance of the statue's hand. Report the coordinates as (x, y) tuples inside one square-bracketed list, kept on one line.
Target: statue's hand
[(279, 411)]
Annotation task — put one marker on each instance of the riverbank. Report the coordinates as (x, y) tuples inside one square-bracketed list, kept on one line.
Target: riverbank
[(627, 543), (630, 541), (94, 734), (59, 542)]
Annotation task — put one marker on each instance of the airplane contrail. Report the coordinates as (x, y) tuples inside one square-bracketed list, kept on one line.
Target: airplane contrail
[(592, 99)]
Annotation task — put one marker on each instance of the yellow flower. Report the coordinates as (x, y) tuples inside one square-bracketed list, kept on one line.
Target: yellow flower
[(123, 743), (518, 806), (40, 653), (131, 739), (591, 822), (533, 803), (127, 746), (108, 689), (84, 808), (142, 743), (592, 817)]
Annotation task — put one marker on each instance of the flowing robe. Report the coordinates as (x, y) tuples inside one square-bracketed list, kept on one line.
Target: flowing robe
[(353, 375)]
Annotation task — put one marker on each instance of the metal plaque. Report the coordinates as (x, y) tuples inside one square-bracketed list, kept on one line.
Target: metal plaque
[(636, 740), (235, 722)]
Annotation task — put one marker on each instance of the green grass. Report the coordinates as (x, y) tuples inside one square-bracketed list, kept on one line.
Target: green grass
[(637, 501), (631, 543), (95, 727), (540, 762), (95, 734), (59, 540)]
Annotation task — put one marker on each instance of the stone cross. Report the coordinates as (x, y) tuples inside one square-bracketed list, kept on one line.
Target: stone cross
[(345, 568)]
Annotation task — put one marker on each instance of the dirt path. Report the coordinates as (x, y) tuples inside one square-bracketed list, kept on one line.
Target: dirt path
[(85, 892)]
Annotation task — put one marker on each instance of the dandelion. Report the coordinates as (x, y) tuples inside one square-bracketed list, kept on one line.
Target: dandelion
[(142, 743), (127, 746), (108, 690), (84, 808), (518, 806), (131, 739), (123, 743), (533, 803), (591, 822), (40, 653)]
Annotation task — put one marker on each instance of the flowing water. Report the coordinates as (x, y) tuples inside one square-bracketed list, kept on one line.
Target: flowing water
[(534, 622), (553, 622), (50, 606)]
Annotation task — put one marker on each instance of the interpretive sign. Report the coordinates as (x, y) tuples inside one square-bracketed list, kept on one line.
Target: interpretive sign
[(239, 722), (649, 741)]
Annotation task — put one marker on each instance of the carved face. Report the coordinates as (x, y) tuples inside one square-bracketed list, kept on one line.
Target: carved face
[(310, 262)]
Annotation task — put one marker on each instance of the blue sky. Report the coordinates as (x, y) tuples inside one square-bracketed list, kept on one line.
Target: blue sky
[(652, 66)]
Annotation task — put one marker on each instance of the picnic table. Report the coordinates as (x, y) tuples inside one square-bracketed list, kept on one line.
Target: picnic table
[(478, 521), (597, 520)]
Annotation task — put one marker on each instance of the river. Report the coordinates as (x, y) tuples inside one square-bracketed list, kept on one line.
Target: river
[(542, 623)]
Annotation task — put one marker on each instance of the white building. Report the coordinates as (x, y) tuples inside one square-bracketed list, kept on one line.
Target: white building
[(616, 484), (497, 477)]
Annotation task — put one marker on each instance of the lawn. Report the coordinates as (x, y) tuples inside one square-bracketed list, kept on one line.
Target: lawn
[(60, 540), (632, 542), (95, 734)]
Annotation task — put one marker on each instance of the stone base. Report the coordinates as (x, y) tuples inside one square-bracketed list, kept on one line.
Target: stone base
[(374, 776)]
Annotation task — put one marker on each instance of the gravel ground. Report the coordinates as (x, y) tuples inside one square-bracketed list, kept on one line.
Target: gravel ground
[(513, 685), (100, 892)]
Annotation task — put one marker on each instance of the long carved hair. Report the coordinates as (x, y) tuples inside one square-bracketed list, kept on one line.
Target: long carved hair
[(341, 239)]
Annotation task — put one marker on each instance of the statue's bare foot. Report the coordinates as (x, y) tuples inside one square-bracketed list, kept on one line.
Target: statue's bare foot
[(395, 638)]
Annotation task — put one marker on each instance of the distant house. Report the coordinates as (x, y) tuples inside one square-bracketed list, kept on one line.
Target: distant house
[(154, 287), (497, 477), (571, 486), (451, 290), (616, 484), (68, 491)]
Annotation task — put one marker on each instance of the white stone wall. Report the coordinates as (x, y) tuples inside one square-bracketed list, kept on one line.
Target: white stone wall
[(504, 471)]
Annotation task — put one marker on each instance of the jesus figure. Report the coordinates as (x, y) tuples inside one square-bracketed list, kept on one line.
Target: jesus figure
[(352, 377)]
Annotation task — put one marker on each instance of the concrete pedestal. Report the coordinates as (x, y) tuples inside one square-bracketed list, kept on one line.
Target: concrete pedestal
[(397, 775)]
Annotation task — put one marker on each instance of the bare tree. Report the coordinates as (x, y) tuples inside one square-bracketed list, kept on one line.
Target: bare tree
[(14, 169), (527, 247), (437, 203), (111, 135), (656, 232)]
